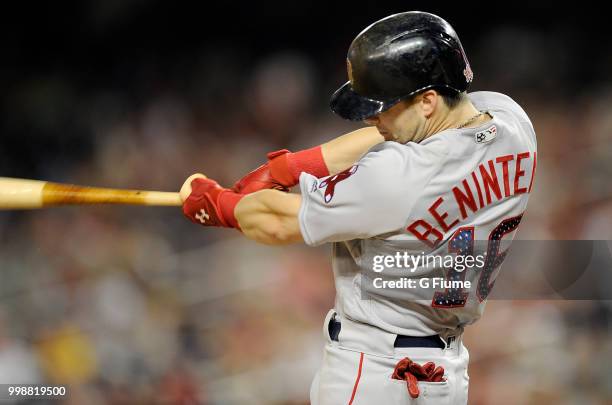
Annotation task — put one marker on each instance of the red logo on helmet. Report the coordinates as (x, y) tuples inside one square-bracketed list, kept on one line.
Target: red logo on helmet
[(330, 183)]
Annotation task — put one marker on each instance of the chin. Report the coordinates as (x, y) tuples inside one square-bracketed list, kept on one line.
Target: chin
[(388, 136)]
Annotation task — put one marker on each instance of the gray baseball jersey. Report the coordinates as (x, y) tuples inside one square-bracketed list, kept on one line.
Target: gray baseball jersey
[(432, 198)]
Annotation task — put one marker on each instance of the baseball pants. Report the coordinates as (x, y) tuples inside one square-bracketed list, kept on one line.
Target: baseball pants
[(353, 376)]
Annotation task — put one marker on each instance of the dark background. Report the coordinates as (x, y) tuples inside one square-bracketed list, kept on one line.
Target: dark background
[(59, 57)]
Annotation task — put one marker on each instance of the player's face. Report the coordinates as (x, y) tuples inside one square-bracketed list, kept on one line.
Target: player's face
[(401, 123)]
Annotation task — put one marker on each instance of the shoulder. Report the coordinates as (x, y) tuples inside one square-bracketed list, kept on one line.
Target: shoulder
[(392, 167), (498, 102), (431, 148), (492, 98)]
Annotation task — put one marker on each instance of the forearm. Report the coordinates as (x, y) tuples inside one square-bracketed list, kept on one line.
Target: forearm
[(270, 217), (283, 169), (342, 152)]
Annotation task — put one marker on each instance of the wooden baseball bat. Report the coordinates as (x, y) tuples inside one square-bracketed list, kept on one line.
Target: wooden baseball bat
[(18, 194)]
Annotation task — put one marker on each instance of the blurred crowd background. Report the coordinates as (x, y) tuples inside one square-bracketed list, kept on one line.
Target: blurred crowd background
[(131, 305)]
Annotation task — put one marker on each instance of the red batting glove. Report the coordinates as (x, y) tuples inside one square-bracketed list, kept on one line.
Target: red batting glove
[(209, 204), (412, 373), (282, 171), (262, 177)]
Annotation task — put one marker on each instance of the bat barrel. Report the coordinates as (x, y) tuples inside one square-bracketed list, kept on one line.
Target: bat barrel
[(67, 194), (32, 194)]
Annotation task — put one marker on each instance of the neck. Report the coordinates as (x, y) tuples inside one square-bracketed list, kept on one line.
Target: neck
[(447, 118)]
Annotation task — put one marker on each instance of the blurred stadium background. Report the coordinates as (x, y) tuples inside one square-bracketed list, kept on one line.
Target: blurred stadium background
[(138, 306)]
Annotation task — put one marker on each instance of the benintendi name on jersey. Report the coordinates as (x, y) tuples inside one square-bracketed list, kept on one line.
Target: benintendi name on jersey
[(435, 282), (485, 181)]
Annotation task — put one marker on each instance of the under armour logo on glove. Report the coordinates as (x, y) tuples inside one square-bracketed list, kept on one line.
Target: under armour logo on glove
[(412, 373), (209, 204), (202, 216)]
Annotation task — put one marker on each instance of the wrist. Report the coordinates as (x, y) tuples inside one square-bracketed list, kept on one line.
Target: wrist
[(226, 202), (287, 167)]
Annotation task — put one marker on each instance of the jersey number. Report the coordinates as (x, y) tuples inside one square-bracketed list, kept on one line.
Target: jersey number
[(462, 244)]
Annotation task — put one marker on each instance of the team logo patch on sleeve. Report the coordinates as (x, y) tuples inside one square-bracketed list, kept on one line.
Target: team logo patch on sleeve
[(486, 136), (330, 183)]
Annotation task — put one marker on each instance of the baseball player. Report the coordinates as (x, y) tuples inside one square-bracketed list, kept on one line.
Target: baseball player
[(436, 168)]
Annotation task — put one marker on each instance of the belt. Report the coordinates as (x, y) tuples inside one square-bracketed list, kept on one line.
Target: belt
[(400, 341)]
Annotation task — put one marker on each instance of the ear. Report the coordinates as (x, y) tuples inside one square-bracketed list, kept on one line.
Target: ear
[(429, 102)]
